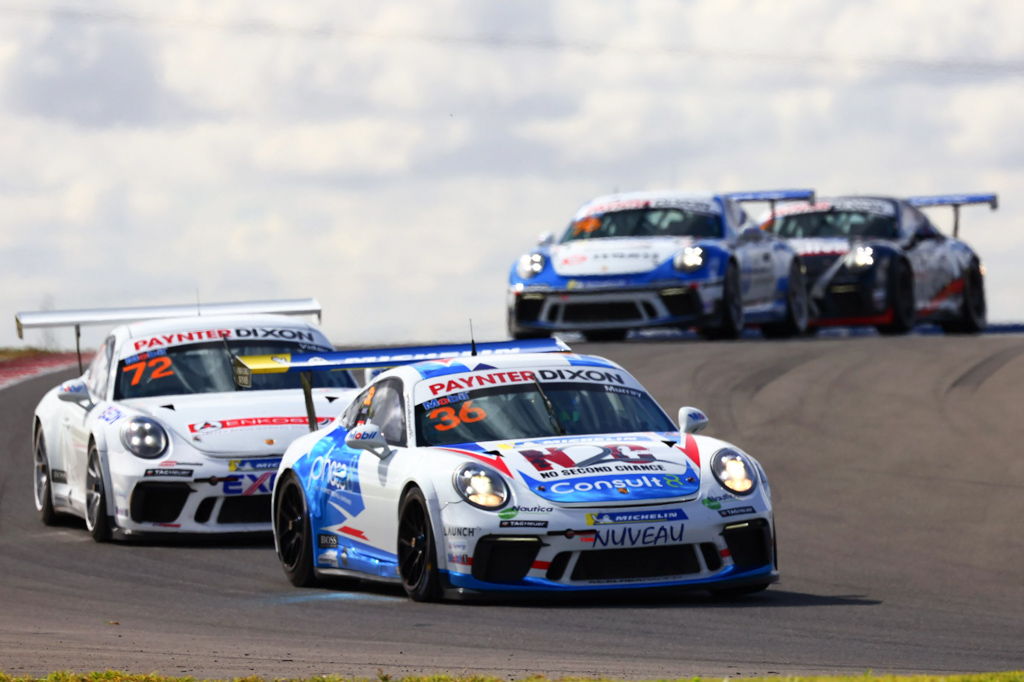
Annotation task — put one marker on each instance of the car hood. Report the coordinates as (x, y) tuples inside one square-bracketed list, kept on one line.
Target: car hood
[(620, 256), (251, 422), (608, 470)]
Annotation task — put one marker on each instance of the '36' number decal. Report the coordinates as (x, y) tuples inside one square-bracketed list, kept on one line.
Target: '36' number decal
[(447, 419)]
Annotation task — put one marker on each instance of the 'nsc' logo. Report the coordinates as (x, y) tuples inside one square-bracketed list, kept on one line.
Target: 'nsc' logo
[(611, 488)]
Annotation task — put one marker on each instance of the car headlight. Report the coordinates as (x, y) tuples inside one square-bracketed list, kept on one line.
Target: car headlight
[(860, 258), (690, 259), (480, 486), (144, 437), (530, 265), (734, 471)]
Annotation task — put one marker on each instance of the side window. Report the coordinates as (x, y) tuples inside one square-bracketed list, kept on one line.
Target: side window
[(356, 413), (387, 410), (99, 369), (913, 220)]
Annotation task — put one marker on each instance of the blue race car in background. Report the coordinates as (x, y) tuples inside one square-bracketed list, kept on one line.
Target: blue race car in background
[(880, 261), (661, 259)]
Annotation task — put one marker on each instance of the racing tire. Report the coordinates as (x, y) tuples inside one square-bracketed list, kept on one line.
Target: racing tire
[(730, 323), (41, 488), (293, 535), (901, 299), (972, 308), (797, 312), (605, 335), (417, 551), (97, 519)]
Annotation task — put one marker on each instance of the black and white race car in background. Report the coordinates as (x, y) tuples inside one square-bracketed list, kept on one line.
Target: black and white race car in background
[(880, 261)]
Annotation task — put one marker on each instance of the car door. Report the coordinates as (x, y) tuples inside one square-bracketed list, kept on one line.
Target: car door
[(76, 423), (757, 272), (930, 257), (356, 490)]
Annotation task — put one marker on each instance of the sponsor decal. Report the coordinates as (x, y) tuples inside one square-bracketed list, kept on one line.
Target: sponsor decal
[(715, 501), (523, 523), (262, 464), (74, 386), (514, 511), (606, 488), (460, 384), (250, 484), (163, 340), (462, 559), (333, 468), (459, 532), (58, 476), (368, 434), (447, 400), (168, 471), (249, 422), (649, 536), (182, 337), (736, 511), (605, 518), (110, 415), (584, 459), (172, 463), (326, 541)]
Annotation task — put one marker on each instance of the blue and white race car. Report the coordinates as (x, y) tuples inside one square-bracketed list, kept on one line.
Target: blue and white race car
[(880, 261), (661, 259), (514, 472)]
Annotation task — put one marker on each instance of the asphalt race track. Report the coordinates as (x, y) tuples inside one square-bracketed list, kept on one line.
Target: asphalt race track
[(898, 475)]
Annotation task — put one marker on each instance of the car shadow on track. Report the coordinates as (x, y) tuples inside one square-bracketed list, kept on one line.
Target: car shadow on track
[(771, 598)]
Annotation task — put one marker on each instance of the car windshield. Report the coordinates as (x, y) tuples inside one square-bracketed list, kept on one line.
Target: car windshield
[(645, 222), (533, 410), (206, 368), (834, 223)]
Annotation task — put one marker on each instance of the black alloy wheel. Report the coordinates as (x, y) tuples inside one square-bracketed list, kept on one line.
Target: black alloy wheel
[(417, 553), (97, 520), (292, 532), (973, 310), (41, 482), (797, 313), (730, 324), (902, 301)]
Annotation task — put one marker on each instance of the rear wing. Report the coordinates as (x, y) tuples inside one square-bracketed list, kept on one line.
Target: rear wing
[(774, 196), (956, 201), (367, 358), (111, 316)]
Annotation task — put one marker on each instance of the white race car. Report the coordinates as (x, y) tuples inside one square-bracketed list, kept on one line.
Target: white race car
[(156, 437), (506, 473)]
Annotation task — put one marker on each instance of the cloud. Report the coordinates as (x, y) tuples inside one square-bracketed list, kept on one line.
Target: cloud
[(394, 159)]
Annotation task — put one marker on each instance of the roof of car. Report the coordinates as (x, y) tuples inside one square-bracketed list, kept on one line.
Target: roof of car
[(200, 322), (627, 200), (427, 369)]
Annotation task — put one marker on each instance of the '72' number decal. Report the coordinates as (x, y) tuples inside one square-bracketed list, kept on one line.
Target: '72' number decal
[(159, 367)]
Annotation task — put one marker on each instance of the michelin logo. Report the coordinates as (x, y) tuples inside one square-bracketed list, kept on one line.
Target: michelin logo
[(605, 518)]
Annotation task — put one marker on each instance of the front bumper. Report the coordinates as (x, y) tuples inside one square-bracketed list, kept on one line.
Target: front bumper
[(203, 495), (671, 304), (705, 551)]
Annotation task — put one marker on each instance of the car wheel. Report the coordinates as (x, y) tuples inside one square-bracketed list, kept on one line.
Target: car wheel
[(605, 334), (972, 308), (293, 534), (730, 324), (794, 323), (97, 520), (417, 553), (42, 488), (901, 299)]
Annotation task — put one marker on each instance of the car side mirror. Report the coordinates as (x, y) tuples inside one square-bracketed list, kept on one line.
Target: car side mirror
[(546, 239), (692, 420), (751, 234), (368, 437), (75, 391)]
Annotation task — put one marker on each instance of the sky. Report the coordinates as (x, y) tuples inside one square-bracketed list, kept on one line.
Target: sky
[(393, 159)]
